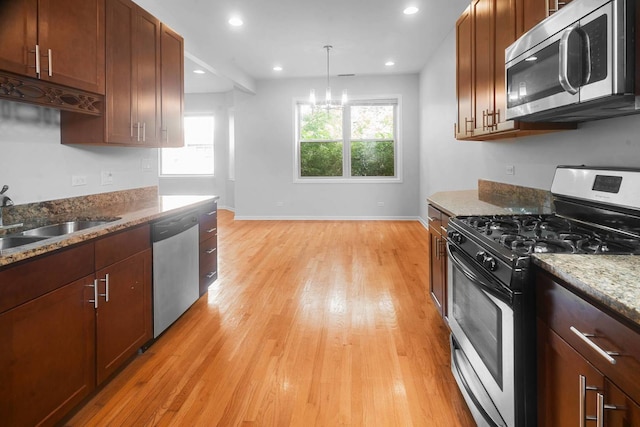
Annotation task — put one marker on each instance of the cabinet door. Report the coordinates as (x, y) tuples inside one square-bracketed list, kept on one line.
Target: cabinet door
[(71, 39), (172, 88), (504, 35), (120, 116), (560, 368), (124, 312), (464, 89), (147, 78), (620, 409), (18, 32), (483, 54), (47, 356)]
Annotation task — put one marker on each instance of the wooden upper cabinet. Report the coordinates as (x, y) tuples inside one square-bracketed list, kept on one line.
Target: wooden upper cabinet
[(19, 24), (144, 92), (133, 37), (67, 36), (172, 87), (483, 33), (464, 126)]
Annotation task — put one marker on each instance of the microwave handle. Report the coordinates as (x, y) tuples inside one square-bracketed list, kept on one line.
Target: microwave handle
[(564, 61)]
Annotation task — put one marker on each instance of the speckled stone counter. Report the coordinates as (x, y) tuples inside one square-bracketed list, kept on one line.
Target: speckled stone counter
[(612, 280), (132, 208), (463, 202)]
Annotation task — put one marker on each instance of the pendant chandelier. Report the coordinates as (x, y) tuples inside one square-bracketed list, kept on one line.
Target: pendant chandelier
[(328, 102)]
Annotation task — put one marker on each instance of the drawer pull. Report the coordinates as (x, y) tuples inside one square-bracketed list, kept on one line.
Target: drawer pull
[(606, 354), (211, 230), (95, 293), (210, 251), (210, 274), (604, 407), (211, 213), (432, 219)]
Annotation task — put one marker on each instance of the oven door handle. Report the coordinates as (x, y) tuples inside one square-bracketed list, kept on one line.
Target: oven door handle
[(496, 290)]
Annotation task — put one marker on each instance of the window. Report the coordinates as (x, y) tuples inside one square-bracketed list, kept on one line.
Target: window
[(358, 142), (196, 157)]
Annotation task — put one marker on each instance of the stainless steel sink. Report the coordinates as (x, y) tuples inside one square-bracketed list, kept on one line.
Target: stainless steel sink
[(15, 241), (63, 228)]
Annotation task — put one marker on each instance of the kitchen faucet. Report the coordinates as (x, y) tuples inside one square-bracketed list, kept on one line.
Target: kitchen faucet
[(4, 202)]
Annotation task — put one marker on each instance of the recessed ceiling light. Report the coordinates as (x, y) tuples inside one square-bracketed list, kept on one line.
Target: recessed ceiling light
[(389, 63), (235, 21), (410, 10), (198, 71), (277, 68)]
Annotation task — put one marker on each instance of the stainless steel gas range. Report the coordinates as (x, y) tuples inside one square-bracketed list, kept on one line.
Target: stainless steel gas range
[(491, 299)]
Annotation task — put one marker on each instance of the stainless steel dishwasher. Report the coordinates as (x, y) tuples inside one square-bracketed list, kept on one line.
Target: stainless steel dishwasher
[(175, 268)]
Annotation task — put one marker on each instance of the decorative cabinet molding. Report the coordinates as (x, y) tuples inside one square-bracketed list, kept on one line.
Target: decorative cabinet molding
[(47, 94)]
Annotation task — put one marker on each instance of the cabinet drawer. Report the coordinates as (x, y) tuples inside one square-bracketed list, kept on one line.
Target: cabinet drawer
[(208, 257), (33, 278), (119, 246), (435, 217), (208, 222), (570, 315)]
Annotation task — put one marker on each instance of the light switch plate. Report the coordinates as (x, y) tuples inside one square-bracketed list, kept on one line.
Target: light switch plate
[(106, 177)]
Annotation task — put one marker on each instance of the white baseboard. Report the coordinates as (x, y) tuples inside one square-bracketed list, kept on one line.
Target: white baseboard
[(424, 223), (327, 218)]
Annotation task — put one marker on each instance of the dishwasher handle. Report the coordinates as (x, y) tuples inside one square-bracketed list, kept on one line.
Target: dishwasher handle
[(172, 226)]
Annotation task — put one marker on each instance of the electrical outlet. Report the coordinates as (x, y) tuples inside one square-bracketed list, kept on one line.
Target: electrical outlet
[(380, 204), (511, 170), (77, 180), (145, 164), (106, 177)]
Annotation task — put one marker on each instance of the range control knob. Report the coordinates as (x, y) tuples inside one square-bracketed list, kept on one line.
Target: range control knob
[(487, 261), (456, 237)]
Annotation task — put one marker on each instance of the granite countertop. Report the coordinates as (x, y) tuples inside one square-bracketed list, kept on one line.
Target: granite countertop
[(611, 280), (128, 214), (463, 203)]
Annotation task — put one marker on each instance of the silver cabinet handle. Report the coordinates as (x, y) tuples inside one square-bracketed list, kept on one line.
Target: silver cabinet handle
[(38, 60), (210, 251), (49, 55), (604, 407), (585, 337), (431, 219), (583, 401), (211, 274), (138, 127), (211, 230), (144, 131), (211, 213), (106, 287), (95, 293)]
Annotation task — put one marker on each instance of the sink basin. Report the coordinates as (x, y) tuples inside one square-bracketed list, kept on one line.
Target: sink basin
[(62, 228), (15, 241)]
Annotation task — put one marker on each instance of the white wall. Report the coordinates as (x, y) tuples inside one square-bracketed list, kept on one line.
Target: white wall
[(216, 104), (447, 164), (265, 148), (37, 167)]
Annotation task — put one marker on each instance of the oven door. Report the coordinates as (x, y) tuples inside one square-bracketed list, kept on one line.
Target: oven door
[(481, 319)]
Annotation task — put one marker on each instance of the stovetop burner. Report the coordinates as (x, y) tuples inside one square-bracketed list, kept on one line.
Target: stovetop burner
[(528, 234)]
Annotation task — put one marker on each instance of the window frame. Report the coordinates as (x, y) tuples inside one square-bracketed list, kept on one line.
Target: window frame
[(213, 145), (395, 100)]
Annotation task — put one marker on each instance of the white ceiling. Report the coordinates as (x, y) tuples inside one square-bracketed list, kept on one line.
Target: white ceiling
[(291, 33)]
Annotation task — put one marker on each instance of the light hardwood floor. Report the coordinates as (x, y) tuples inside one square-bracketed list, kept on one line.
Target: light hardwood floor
[(310, 323)]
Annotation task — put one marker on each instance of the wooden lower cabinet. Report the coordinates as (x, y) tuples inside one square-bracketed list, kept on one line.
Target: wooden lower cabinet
[(47, 355), (65, 329), (208, 223), (123, 314), (438, 221), (577, 385)]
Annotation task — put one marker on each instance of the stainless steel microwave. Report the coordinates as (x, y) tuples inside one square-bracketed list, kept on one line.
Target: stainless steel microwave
[(579, 64)]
